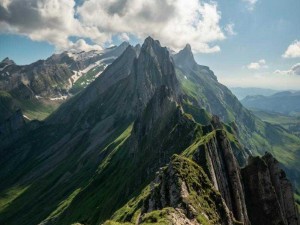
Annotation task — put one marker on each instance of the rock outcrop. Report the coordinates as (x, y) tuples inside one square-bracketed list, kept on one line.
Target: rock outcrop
[(216, 157), (269, 194), (184, 186), (185, 58), (153, 68)]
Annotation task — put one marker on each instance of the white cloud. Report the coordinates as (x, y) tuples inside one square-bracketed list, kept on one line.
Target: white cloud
[(293, 50), (229, 28), (124, 37), (294, 70), (173, 22), (46, 20), (263, 80), (5, 3), (257, 65), (81, 45), (250, 4)]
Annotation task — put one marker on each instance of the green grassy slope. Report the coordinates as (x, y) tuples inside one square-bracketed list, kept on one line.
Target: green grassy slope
[(31, 108), (291, 123)]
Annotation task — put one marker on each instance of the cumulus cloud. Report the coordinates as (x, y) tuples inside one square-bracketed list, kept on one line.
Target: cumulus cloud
[(257, 65), (45, 20), (250, 4), (229, 28), (173, 22), (293, 50), (294, 70), (124, 37), (81, 45)]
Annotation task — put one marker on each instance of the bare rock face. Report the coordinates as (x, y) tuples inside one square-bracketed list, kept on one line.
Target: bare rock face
[(185, 58), (184, 186), (162, 105), (153, 68), (220, 164), (269, 194)]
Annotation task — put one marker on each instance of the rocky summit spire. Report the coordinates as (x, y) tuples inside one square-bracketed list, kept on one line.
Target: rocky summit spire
[(7, 61), (185, 58), (154, 68)]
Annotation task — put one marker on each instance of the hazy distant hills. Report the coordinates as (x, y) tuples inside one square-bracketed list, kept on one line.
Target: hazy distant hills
[(241, 92), (286, 102)]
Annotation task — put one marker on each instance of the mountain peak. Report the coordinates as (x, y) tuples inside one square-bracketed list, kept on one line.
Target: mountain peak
[(149, 41), (124, 44), (185, 58), (7, 61), (188, 47)]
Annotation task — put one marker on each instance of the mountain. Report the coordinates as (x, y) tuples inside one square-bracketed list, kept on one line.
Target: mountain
[(241, 92), (286, 102), (140, 145), (39, 88)]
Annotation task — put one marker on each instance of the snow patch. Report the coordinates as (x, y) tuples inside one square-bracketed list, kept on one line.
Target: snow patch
[(80, 73), (63, 97), (26, 117)]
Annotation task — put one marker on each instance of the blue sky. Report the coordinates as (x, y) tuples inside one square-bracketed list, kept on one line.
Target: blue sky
[(242, 41)]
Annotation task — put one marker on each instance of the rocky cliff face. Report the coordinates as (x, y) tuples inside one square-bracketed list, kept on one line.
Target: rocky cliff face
[(152, 69), (216, 157), (184, 186), (42, 78), (185, 58), (269, 194)]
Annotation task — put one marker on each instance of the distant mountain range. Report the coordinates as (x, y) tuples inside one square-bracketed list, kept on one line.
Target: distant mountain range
[(286, 102), (241, 92), (39, 88), (154, 139)]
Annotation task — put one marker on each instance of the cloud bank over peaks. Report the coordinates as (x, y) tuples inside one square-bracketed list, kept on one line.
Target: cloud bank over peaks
[(173, 22)]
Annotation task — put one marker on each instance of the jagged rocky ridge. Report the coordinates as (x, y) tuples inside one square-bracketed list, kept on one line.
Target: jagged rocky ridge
[(95, 158)]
